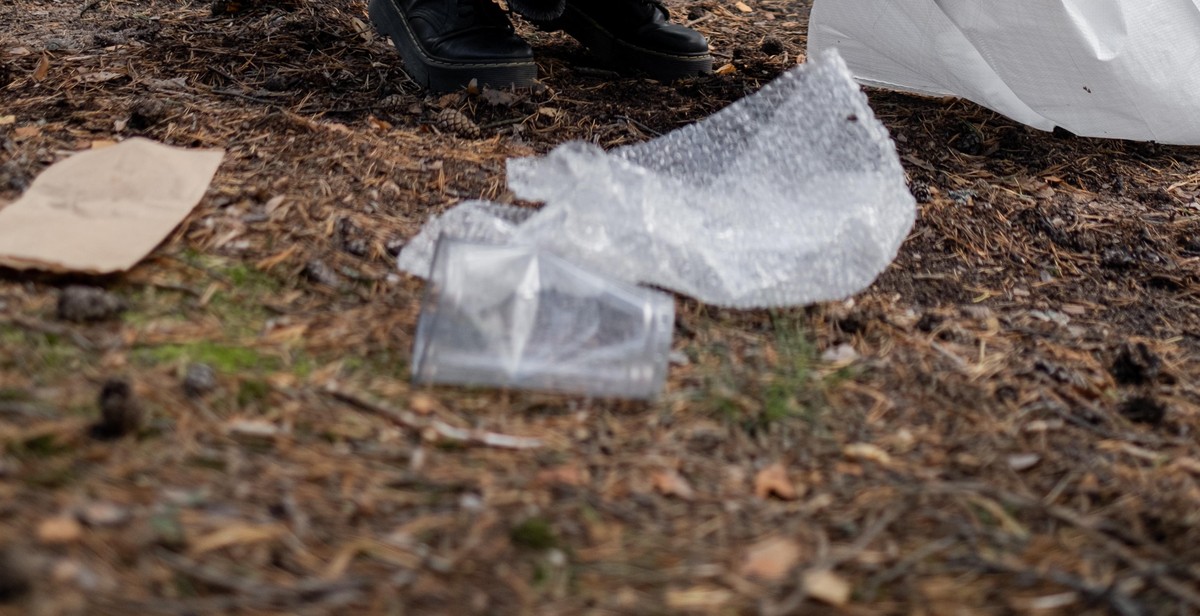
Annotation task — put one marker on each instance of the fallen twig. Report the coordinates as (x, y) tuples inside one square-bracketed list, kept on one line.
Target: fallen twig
[(407, 419), (245, 593)]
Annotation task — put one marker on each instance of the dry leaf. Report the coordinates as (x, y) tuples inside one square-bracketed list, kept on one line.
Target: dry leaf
[(771, 559), (59, 530), (867, 451), (499, 98), (670, 483), (727, 69), (43, 68), (773, 480), (827, 586), (1192, 465), (380, 124)]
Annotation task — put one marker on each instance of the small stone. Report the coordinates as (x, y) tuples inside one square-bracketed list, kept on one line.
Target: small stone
[(352, 238), (962, 197), (120, 412), (320, 273), (101, 514), (199, 380), (59, 530), (1023, 461), (16, 576), (82, 304), (842, 353), (57, 44)]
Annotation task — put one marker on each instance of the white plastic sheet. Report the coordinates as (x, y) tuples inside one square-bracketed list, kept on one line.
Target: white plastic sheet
[(1127, 69)]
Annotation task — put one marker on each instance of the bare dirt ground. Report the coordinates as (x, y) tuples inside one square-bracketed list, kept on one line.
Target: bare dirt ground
[(1006, 422)]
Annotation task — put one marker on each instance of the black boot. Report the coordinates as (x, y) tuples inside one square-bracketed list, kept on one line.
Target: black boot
[(635, 34), (447, 43)]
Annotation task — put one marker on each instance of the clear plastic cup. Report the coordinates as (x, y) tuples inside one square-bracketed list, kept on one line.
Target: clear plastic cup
[(520, 317)]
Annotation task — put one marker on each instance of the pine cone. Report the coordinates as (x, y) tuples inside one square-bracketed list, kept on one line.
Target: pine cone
[(454, 121)]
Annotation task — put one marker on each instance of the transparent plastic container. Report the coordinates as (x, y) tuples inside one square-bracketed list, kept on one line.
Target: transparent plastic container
[(520, 317)]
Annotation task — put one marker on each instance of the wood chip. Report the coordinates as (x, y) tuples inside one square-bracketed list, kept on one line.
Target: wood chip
[(42, 69), (867, 451), (253, 430), (26, 132), (828, 587), (698, 598), (237, 534), (771, 559), (743, 7), (59, 530), (100, 77)]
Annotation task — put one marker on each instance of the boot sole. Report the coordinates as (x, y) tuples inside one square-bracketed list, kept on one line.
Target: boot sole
[(440, 74), (625, 56)]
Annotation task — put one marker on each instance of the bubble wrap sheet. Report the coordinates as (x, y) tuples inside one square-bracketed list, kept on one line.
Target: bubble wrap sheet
[(791, 196)]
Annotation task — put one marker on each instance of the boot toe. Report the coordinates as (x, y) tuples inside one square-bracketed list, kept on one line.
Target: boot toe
[(672, 39), (484, 47)]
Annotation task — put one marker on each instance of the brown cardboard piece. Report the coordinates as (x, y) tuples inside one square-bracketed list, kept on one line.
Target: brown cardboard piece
[(104, 210)]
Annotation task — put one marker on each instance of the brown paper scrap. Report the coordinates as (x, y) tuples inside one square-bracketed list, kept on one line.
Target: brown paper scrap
[(104, 210)]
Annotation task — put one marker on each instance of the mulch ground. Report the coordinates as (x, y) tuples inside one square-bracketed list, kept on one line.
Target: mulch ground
[(1006, 422)]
